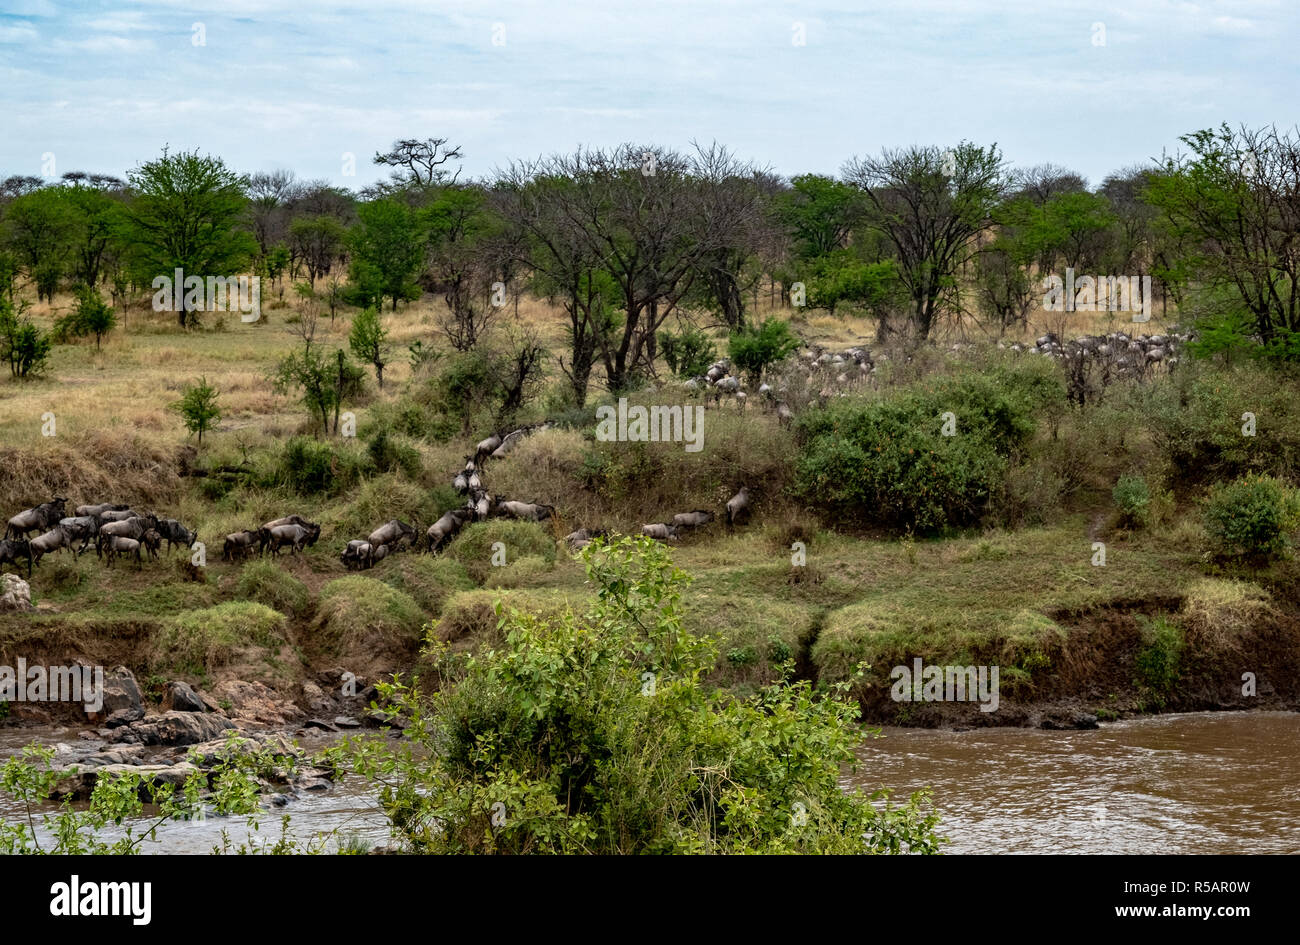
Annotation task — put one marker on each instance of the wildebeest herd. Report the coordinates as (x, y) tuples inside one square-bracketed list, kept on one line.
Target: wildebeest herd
[(115, 530)]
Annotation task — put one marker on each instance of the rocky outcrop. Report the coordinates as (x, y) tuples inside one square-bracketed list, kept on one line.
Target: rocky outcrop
[(181, 697), (15, 595), (174, 728), (122, 703)]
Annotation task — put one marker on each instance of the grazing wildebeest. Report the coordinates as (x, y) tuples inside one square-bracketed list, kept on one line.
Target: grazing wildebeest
[(378, 553), (738, 507), (51, 541), (174, 533), (475, 482), (238, 544), (460, 483), (395, 533), (509, 442), (660, 531), (582, 536), (152, 540), (115, 545), (95, 511), (295, 536), (11, 551), (692, 519), (442, 531), (784, 415), (82, 528), (487, 447), (358, 555), (527, 511), (129, 528), (37, 519)]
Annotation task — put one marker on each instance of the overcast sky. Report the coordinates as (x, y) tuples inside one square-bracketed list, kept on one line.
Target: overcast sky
[(1091, 85)]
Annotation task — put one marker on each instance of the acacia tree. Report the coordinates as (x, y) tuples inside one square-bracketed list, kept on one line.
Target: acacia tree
[(460, 260), (184, 217), (1233, 203), (421, 163), (533, 202), (929, 206)]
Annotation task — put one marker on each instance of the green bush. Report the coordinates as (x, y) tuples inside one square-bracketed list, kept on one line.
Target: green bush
[(1250, 518), (269, 584), (388, 454), (753, 349), (1159, 661), (595, 734), (1133, 499), (316, 467), (687, 354), (888, 461)]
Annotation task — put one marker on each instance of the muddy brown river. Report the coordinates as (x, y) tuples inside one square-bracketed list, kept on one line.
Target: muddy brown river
[(1224, 782)]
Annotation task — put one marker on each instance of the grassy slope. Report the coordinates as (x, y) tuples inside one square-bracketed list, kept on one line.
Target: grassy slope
[(1029, 600)]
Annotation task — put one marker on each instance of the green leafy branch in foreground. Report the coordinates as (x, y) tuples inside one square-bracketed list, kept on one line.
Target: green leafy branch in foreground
[(597, 734)]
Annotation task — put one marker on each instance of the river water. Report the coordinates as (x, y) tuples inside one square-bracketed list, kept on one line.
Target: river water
[(1221, 782), (1226, 782)]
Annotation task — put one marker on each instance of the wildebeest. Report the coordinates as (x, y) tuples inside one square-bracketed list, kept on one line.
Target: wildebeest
[(130, 528), (358, 555), (692, 519), (82, 528), (238, 544), (295, 536), (116, 515), (115, 545), (37, 519), (395, 533), (527, 511), (509, 442), (481, 505), (441, 531), (264, 533), (174, 533), (49, 542), (11, 551), (784, 415), (487, 447), (378, 553), (95, 511), (738, 507), (460, 483), (660, 531), (475, 482), (152, 540)]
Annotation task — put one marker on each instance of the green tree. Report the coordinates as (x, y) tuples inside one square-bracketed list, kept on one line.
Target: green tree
[(93, 316), (386, 248), (198, 407), (367, 340), (929, 204), (22, 345), (184, 217)]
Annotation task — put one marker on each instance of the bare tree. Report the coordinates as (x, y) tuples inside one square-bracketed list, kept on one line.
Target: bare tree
[(420, 163)]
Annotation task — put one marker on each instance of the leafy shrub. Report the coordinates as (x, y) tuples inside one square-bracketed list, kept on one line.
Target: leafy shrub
[(428, 580), (269, 584), (595, 734), (753, 349), (1159, 661), (1250, 518), (689, 353), (888, 460), (1133, 498), (387, 454), (315, 467)]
